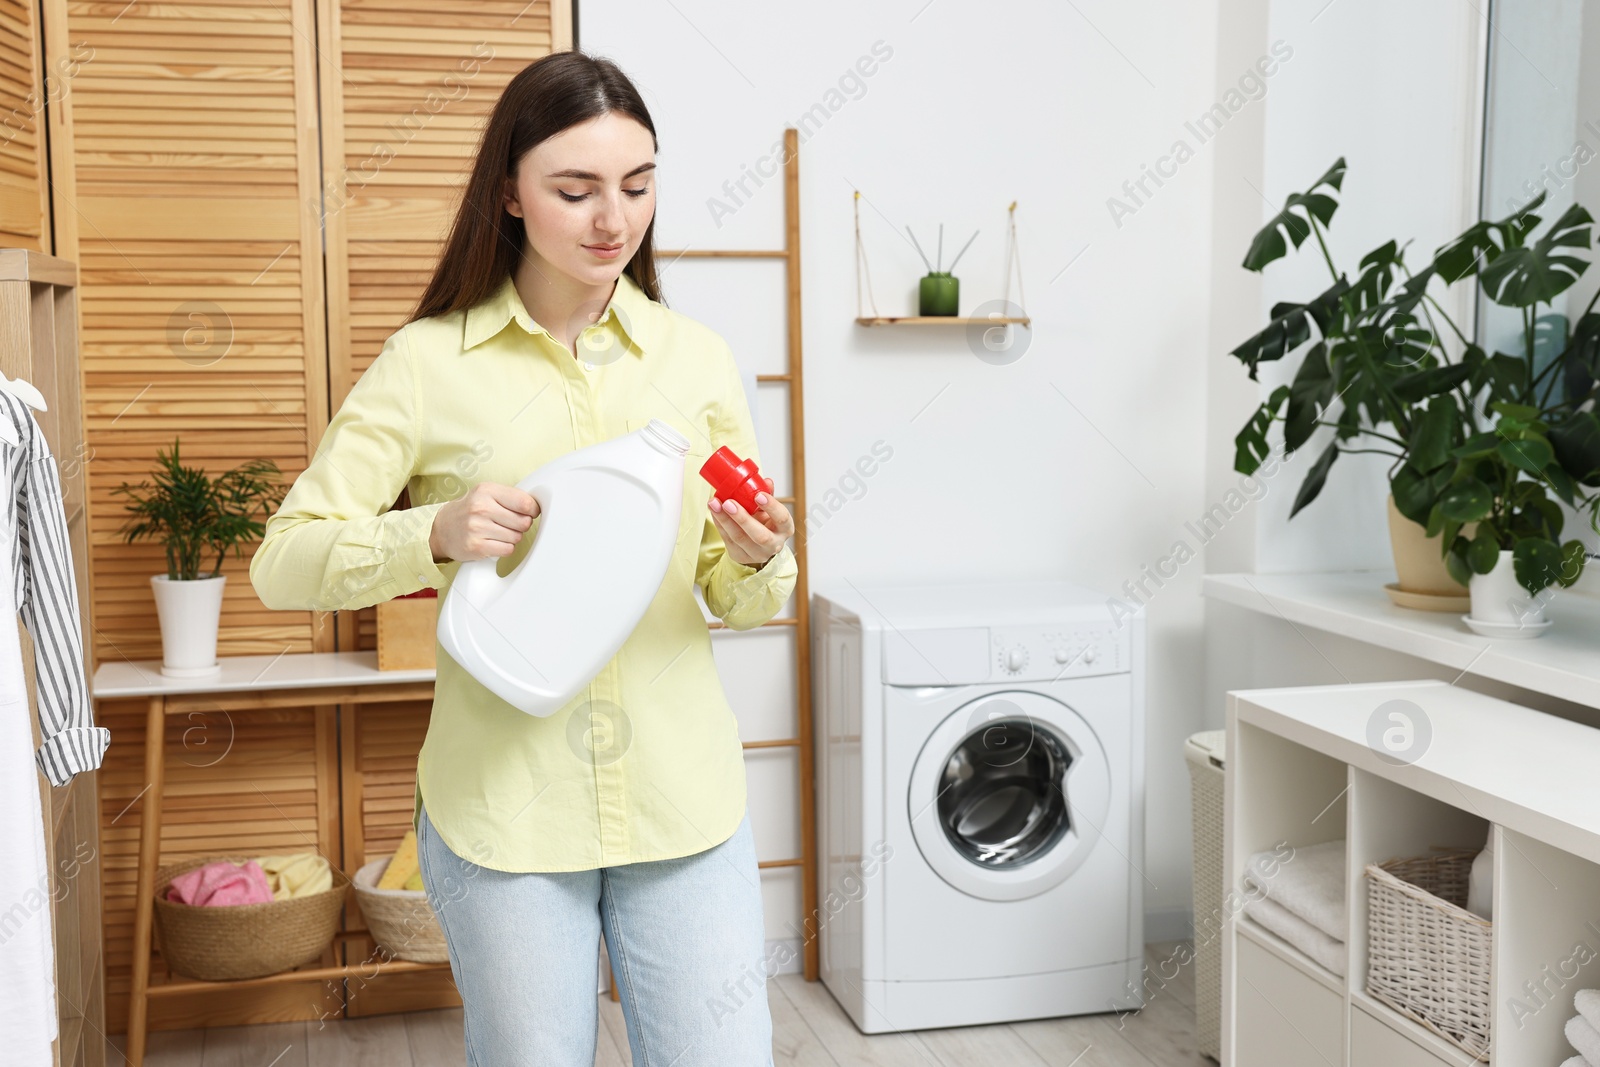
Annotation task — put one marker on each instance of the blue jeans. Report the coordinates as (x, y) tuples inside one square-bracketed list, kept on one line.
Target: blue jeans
[(685, 938)]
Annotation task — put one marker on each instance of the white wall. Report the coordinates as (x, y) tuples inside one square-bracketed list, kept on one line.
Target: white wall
[(1079, 461)]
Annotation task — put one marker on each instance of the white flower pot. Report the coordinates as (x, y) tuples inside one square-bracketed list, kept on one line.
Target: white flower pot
[(189, 613), (1497, 598)]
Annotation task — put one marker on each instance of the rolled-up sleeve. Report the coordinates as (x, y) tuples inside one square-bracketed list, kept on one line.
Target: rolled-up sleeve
[(742, 597), (46, 593), (334, 544)]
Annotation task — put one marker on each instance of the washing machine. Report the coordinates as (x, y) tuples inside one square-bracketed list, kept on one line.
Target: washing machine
[(980, 802)]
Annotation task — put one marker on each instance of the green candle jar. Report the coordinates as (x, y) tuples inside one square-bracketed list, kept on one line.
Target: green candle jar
[(939, 294)]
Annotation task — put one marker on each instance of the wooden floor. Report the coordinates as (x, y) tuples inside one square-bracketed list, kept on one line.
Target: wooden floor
[(809, 1030)]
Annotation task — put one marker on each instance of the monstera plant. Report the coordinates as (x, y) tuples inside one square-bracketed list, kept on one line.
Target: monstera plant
[(1483, 443)]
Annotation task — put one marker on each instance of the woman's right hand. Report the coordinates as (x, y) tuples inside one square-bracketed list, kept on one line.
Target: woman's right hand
[(485, 523)]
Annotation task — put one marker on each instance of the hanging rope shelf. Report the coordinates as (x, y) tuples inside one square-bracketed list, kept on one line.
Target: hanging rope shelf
[(1013, 265)]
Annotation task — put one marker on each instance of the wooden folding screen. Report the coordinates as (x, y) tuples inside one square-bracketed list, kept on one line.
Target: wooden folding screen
[(184, 159), (191, 208), (24, 193)]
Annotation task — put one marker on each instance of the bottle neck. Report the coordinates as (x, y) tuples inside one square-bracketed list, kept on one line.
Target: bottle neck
[(665, 439)]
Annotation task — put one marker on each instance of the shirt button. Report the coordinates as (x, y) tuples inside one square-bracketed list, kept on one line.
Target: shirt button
[(422, 577), (587, 365)]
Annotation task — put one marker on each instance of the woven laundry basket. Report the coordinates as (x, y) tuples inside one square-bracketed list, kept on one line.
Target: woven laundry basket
[(401, 921), (218, 943), (1204, 754), (1428, 957)]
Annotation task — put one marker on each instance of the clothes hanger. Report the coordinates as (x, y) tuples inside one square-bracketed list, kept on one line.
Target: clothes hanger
[(24, 391)]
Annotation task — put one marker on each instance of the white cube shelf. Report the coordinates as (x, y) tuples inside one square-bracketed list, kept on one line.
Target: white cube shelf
[(1301, 772)]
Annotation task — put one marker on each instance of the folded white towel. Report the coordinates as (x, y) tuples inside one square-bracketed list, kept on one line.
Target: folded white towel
[(1576, 1061), (1310, 883), (1584, 1038), (1299, 933), (1587, 1001)]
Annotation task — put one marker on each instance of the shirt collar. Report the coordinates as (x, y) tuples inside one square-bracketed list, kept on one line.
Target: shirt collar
[(632, 310)]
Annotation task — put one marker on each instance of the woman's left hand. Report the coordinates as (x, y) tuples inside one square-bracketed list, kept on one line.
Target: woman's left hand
[(753, 539)]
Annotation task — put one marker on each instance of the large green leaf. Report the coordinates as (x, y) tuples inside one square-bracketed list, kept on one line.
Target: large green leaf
[(1294, 221), (1416, 493), (1467, 501), (1531, 454), (1311, 392), (1431, 434), (1537, 562), (1420, 384), (1315, 478), (1561, 484), (1455, 560), (1514, 415), (1290, 327), (1481, 243), (1576, 440), (1412, 291), (1407, 343), (1250, 443), (1506, 375), (1477, 361), (1483, 551), (1573, 558), (1538, 273), (1371, 287)]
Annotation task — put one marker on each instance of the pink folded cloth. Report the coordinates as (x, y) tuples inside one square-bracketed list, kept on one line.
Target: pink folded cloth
[(221, 883)]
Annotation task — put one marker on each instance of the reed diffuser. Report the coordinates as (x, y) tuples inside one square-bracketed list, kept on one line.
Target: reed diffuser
[(940, 291)]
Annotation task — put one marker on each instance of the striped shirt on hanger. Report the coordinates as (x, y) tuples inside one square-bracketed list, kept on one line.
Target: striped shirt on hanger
[(45, 592)]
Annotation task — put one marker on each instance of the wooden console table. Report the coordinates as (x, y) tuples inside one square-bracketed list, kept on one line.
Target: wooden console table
[(245, 683)]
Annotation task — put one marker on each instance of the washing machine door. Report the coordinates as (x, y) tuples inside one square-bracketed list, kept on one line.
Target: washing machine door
[(1008, 795)]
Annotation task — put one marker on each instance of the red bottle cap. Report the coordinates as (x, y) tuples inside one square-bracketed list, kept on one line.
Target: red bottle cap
[(734, 478)]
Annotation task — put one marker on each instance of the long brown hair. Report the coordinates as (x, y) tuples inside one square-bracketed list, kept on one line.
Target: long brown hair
[(547, 96)]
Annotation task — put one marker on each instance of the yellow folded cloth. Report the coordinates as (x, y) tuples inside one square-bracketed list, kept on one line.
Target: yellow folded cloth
[(296, 874), (402, 866)]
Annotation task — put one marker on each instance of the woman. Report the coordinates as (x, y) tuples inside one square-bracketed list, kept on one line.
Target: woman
[(623, 813)]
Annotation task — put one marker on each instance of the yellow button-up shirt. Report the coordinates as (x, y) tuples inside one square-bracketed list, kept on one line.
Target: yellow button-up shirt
[(644, 764)]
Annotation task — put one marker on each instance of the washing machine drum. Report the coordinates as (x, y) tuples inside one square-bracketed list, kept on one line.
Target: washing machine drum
[(1009, 795)]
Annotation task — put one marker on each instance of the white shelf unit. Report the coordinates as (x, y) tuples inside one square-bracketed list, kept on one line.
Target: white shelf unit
[(1301, 772)]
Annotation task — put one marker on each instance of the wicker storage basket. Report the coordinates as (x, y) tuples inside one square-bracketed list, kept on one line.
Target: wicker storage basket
[(400, 920), (1428, 957), (243, 940)]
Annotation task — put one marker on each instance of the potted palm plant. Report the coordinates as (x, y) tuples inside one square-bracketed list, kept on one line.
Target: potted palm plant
[(1486, 448), (194, 514)]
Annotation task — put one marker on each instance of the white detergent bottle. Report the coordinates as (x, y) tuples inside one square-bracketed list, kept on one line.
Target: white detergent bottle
[(608, 522)]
